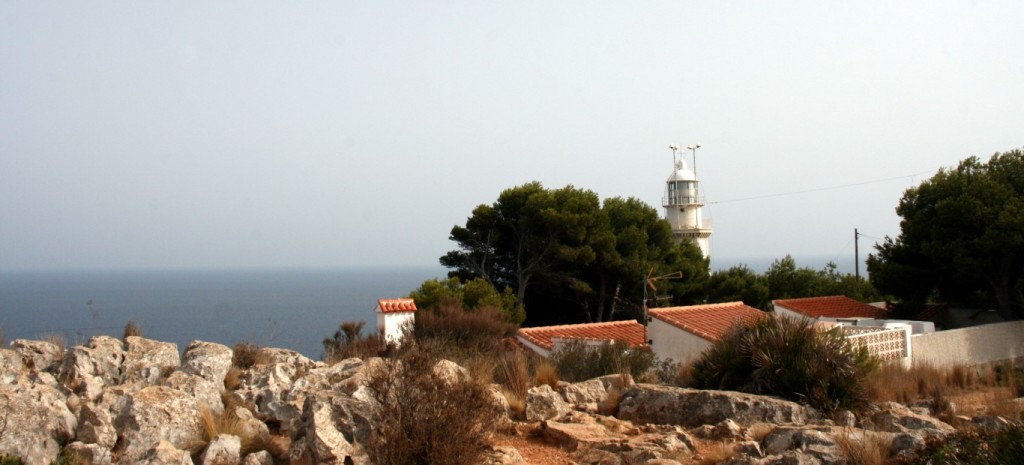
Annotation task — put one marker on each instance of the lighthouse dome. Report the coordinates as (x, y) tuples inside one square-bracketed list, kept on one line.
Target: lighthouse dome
[(682, 173)]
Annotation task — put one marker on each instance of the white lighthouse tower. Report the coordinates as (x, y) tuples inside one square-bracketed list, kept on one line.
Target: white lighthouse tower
[(683, 203)]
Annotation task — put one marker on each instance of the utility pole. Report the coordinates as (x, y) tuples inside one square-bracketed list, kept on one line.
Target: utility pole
[(856, 254)]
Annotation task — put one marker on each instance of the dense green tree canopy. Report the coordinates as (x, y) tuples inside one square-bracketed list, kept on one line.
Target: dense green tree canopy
[(961, 239), (785, 280), (571, 258)]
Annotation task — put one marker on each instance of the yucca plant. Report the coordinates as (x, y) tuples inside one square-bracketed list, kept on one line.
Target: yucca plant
[(789, 358)]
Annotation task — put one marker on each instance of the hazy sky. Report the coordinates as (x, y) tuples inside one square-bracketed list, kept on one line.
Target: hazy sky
[(342, 133)]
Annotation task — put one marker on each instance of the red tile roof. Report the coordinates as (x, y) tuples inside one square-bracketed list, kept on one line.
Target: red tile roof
[(628, 331), (709, 321), (836, 306), (396, 305)]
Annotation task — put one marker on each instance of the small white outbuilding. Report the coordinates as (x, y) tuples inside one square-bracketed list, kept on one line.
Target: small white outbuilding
[(394, 318)]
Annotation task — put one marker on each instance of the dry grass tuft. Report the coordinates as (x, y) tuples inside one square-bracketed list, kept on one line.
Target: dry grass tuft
[(1002, 402), (546, 373), (758, 431), (514, 372), (610, 404), (131, 329), (246, 355), (866, 448), (3, 338), (516, 404), (233, 378), (57, 340), (227, 423), (717, 453), (481, 368)]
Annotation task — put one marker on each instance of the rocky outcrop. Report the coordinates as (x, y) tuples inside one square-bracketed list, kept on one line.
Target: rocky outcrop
[(114, 402), (34, 421), (648, 403), (154, 414)]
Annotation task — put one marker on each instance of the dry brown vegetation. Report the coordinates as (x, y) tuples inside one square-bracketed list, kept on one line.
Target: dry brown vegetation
[(865, 447), (425, 419), (131, 329), (246, 355), (215, 424), (990, 389)]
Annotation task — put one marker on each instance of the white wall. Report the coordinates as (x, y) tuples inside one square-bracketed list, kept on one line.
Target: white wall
[(393, 325), (970, 346), (534, 347), (669, 341)]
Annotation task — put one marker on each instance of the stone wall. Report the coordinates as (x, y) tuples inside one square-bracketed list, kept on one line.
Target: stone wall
[(970, 346)]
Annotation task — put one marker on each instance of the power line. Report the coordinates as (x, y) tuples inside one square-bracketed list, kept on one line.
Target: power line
[(766, 196)]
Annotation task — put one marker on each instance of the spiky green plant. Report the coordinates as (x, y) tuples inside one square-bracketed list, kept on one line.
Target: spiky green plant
[(789, 358)]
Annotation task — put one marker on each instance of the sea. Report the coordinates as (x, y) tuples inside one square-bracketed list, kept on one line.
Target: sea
[(293, 308), (288, 308)]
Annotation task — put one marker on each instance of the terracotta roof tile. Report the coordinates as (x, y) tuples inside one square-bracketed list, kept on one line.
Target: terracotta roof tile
[(628, 331), (396, 305), (709, 321), (836, 306)]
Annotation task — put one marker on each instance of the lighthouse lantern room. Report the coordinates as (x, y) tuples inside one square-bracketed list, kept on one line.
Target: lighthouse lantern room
[(684, 204)]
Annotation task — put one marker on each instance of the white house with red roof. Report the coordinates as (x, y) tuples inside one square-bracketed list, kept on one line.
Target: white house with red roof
[(394, 318), (682, 333), (547, 339), (846, 311)]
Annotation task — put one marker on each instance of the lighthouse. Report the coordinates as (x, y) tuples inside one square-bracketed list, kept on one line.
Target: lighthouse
[(684, 204)]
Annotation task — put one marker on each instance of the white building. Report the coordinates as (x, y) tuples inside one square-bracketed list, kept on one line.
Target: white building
[(547, 339), (684, 206), (682, 333), (394, 318)]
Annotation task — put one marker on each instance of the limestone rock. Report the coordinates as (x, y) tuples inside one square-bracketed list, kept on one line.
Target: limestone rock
[(164, 453), (37, 356), (449, 372), (818, 444), (503, 455), (206, 392), (224, 449), (904, 445), (575, 436), (35, 422), (990, 424), (596, 457), (11, 366), (897, 418), (748, 448), (258, 458), (543, 403), (692, 408), (107, 354), (95, 426), (250, 426), (77, 372), (154, 414), (288, 357), (92, 454), (267, 388), (329, 430), (146, 361), (207, 360)]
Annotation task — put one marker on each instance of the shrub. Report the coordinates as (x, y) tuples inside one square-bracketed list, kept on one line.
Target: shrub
[(866, 448), (514, 373), (970, 446), (424, 419), (246, 354), (579, 361), (57, 340), (349, 342), (788, 358), (459, 334), (3, 338), (227, 423), (131, 329)]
